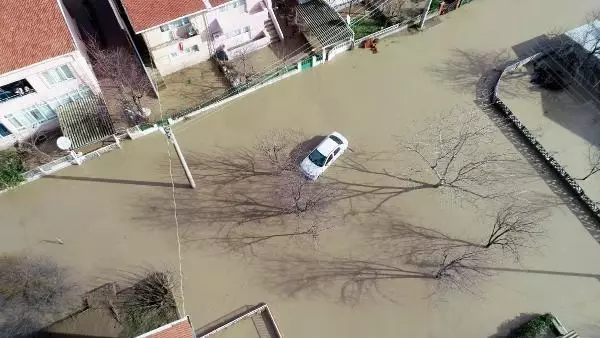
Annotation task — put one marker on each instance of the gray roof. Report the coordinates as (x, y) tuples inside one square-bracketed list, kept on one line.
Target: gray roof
[(324, 23), (588, 36)]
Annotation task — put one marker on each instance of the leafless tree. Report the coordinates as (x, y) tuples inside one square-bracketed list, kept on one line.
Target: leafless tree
[(593, 162), (515, 227), (263, 198), (118, 68), (458, 151), (33, 291), (39, 149), (272, 154), (393, 10), (461, 270), (306, 231)]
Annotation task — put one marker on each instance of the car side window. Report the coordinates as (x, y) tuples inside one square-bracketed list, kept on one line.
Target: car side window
[(336, 151), (329, 159)]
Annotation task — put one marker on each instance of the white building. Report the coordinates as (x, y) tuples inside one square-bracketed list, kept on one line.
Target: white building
[(43, 64), (181, 33)]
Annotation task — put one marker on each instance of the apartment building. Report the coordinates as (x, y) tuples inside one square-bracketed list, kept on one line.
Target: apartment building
[(43, 65), (181, 33)]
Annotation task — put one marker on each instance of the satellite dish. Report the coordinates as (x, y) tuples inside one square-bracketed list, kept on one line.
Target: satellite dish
[(63, 143)]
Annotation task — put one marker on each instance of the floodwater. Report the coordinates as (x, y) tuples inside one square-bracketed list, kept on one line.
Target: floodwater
[(115, 213)]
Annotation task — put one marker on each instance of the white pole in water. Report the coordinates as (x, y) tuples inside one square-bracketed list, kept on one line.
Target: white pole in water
[(173, 140), (425, 12)]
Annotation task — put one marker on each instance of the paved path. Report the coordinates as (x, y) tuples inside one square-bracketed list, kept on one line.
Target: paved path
[(114, 213)]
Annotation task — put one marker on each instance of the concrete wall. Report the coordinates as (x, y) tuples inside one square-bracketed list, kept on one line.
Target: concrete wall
[(77, 63)]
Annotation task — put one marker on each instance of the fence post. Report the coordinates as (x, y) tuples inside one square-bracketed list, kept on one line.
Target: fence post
[(76, 157), (299, 65), (424, 15)]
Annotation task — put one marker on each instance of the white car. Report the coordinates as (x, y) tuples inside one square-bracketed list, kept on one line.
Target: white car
[(323, 155)]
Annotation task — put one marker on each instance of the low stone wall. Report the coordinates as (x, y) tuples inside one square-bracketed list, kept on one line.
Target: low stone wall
[(528, 135)]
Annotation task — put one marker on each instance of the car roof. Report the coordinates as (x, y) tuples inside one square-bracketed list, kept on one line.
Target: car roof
[(327, 146)]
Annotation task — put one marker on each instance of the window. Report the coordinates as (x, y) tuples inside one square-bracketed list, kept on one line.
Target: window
[(58, 74), (18, 124), (192, 49), (246, 29), (49, 108), (175, 24), (4, 131), (232, 4)]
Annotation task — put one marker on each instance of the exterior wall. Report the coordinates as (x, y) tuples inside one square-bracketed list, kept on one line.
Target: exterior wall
[(252, 15), (162, 48), (217, 29), (45, 92)]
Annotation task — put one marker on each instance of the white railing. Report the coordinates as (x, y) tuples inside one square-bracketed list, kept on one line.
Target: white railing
[(248, 47), (64, 162)]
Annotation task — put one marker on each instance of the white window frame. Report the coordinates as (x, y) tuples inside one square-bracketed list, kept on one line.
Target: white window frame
[(175, 24), (20, 127), (62, 73)]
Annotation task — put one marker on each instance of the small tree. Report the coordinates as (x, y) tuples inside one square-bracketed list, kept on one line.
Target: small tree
[(33, 291), (118, 68), (593, 162), (458, 150), (515, 226), (461, 270)]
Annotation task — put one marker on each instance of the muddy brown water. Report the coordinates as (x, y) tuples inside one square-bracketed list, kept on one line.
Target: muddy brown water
[(115, 214)]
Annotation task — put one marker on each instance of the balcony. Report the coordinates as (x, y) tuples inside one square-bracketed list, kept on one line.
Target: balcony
[(178, 34), (263, 39), (15, 90)]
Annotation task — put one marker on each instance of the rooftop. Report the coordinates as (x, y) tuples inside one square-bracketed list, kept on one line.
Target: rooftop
[(33, 31), (144, 14), (324, 23), (181, 328), (588, 36)]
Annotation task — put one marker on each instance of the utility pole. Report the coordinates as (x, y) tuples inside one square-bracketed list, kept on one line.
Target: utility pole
[(171, 136), (424, 15)]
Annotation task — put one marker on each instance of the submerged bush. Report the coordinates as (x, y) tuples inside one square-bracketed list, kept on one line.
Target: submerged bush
[(11, 169)]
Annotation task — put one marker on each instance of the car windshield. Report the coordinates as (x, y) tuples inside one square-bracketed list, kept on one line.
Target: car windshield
[(317, 158), (336, 139)]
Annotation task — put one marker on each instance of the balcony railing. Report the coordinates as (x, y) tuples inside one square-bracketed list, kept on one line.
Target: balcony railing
[(7, 96), (178, 34)]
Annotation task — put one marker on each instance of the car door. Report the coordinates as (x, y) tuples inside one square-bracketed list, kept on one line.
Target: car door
[(336, 153)]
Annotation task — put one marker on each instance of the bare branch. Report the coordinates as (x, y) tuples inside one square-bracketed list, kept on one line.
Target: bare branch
[(457, 150), (33, 291), (117, 67), (516, 226), (593, 162)]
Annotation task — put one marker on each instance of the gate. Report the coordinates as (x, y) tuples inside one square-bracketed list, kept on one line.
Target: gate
[(306, 63)]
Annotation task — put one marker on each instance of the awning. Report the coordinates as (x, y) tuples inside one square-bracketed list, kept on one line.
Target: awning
[(324, 24), (85, 121)]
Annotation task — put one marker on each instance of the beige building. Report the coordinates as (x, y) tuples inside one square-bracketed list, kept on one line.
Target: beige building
[(42, 67), (181, 33)]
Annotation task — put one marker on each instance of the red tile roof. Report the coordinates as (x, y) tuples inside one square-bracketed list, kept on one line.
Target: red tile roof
[(178, 329), (32, 31), (145, 14), (216, 3)]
